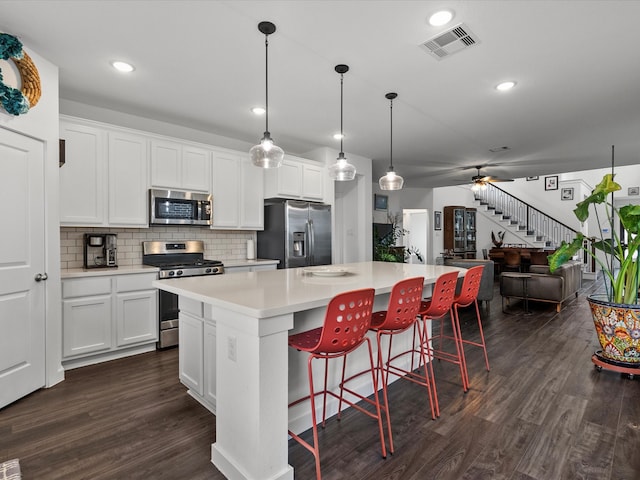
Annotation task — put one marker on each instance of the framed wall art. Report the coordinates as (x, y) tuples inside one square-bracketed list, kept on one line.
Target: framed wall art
[(437, 220), (380, 202), (633, 191), (551, 183), (566, 193)]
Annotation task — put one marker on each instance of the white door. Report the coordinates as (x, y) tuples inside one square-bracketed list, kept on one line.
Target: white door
[(22, 298)]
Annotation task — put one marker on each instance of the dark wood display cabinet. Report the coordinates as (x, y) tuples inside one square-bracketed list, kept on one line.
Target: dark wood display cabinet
[(460, 232)]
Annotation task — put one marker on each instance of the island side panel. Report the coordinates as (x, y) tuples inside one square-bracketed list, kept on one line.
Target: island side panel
[(251, 420)]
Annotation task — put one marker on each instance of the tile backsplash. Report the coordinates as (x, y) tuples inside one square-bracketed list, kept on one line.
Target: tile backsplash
[(219, 244)]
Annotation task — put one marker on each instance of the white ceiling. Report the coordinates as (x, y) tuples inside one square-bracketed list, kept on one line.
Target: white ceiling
[(201, 64)]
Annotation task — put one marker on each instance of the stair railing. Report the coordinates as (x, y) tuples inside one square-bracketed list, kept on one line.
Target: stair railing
[(531, 221)]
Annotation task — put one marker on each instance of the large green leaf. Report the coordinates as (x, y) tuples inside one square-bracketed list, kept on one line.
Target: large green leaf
[(598, 195), (565, 252), (630, 218)]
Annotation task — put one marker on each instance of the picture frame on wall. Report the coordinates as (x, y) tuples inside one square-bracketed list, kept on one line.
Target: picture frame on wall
[(535, 177), (380, 202), (437, 220), (631, 191), (551, 183), (566, 193)]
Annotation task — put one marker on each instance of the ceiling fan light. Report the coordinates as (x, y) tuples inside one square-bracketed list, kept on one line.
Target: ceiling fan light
[(391, 181), (342, 170), (266, 154)]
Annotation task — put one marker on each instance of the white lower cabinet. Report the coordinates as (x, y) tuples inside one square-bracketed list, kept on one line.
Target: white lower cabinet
[(190, 352), (107, 317), (86, 325), (197, 351)]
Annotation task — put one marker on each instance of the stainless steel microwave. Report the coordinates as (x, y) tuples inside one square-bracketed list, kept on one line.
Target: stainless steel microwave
[(177, 207)]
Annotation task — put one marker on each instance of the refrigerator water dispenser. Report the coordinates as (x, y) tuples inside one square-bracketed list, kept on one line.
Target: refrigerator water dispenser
[(298, 244)]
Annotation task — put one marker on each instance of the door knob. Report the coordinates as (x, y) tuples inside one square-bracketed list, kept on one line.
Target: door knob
[(41, 276)]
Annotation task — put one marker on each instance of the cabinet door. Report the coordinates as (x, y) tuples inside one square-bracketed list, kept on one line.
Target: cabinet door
[(82, 177), (128, 171), (210, 363), (190, 352), (86, 325), (289, 176), (166, 168), (312, 182), (226, 171), (136, 318), (196, 169), (251, 195)]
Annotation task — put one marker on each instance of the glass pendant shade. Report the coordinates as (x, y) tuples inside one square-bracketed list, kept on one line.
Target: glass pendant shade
[(266, 154), (391, 181), (342, 170)]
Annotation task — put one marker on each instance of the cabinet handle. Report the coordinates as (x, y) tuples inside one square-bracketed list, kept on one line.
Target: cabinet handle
[(41, 277)]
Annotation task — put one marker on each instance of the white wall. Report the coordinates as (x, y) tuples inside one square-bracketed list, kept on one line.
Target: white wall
[(41, 122)]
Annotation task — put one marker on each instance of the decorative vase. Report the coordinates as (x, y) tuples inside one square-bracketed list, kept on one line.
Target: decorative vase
[(618, 330)]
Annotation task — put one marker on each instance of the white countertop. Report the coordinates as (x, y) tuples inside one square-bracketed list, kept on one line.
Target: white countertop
[(99, 272), (276, 292)]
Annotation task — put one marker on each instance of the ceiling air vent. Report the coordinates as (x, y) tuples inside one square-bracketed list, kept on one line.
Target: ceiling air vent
[(453, 40)]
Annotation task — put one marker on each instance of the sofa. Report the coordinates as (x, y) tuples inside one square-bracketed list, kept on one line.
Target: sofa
[(544, 286), (485, 294)]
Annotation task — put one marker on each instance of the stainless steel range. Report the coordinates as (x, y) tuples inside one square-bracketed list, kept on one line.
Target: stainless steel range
[(175, 260)]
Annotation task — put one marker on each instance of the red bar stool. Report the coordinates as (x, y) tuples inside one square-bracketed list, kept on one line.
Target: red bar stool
[(347, 320), (400, 315), (435, 309), (469, 296)]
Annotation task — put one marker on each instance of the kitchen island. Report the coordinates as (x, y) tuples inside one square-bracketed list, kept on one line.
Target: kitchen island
[(256, 372)]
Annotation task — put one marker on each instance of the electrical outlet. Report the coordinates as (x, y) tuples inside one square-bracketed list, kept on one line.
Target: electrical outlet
[(231, 348)]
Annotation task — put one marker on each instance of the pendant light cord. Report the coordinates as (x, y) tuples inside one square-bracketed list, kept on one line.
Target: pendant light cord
[(391, 134), (266, 81), (341, 134)]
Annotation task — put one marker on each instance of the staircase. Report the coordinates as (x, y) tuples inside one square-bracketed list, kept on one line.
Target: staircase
[(534, 227)]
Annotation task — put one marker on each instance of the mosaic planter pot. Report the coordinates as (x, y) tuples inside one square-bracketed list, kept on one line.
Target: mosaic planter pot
[(618, 330)]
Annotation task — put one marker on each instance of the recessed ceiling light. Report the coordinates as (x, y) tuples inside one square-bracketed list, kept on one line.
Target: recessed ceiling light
[(440, 18), (258, 110), (504, 86), (122, 66), (338, 136)]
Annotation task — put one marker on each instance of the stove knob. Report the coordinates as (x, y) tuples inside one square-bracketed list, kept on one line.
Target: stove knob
[(172, 273), (179, 272), (208, 270)]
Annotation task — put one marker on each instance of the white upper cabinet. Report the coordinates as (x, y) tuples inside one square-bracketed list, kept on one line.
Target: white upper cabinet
[(175, 165), (128, 172), (104, 180), (296, 178), (237, 188), (82, 177)]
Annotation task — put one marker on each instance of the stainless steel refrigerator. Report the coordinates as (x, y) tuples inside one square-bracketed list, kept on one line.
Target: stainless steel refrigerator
[(296, 233)]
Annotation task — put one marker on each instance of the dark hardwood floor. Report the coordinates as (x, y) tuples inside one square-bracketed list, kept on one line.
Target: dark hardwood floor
[(542, 413)]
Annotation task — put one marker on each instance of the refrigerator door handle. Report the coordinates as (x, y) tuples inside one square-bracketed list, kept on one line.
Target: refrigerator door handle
[(311, 241)]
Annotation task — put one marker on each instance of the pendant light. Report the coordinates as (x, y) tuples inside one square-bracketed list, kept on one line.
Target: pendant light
[(266, 154), (391, 181), (342, 170)]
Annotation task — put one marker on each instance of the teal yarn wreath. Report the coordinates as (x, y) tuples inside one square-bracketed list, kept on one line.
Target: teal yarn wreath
[(15, 101)]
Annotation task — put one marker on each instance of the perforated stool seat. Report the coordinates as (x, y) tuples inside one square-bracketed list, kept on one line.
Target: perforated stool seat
[(347, 320)]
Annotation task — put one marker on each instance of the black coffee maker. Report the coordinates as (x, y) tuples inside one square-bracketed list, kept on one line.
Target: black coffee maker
[(100, 250)]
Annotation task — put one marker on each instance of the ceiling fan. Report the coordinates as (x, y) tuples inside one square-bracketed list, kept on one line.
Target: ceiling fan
[(480, 181)]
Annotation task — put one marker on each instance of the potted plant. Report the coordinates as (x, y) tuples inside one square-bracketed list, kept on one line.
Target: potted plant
[(616, 313), (384, 245)]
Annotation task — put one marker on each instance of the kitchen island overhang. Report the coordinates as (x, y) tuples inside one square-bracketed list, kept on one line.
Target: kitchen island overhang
[(255, 312)]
